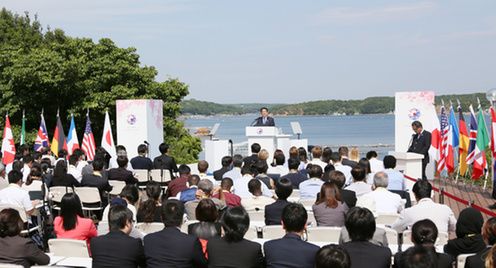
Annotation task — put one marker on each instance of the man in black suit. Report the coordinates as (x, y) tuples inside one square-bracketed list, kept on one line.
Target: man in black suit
[(420, 144), (253, 158), (294, 176), (142, 161), (170, 247), (117, 248), (264, 120), (121, 173), (349, 197), (165, 161), (96, 179), (226, 166), (273, 212), (344, 152), (291, 250)]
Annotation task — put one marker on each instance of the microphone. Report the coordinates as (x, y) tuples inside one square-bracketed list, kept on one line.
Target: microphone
[(254, 122)]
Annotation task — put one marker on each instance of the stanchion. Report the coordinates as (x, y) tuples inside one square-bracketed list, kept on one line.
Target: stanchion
[(441, 195)]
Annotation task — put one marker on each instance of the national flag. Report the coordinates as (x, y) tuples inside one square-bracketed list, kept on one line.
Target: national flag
[(452, 143), (482, 142), (23, 129), (88, 144), (72, 139), (58, 140), (443, 142), (463, 141), (8, 144), (472, 136), (493, 131), (107, 138), (42, 137)]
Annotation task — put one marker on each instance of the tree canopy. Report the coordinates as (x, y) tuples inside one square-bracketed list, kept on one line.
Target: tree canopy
[(46, 69)]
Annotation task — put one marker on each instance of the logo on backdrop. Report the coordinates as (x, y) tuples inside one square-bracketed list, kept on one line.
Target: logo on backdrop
[(414, 114), (259, 131), (131, 119)]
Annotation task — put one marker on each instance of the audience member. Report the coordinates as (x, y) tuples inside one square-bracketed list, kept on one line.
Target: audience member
[(142, 161), (96, 179), (226, 162), (170, 247), (190, 193), (262, 167), (34, 183), (332, 256), (490, 259), (376, 165), (117, 248), (62, 178), (303, 157), (15, 249), (291, 250), (241, 185), (164, 161), (257, 201), (396, 178), (71, 222), (232, 200), (130, 194), (316, 155), (383, 200), (489, 235), (179, 184), (329, 210), (207, 226), (360, 224), (202, 167), (369, 176), (263, 155), (441, 215), (72, 169), (232, 250), (310, 187), (15, 195), (235, 172), (354, 154), (121, 173), (418, 257), (326, 155), (468, 234), (349, 197), (150, 210), (273, 212), (205, 191), (359, 186), (344, 153), (280, 166), (253, 158), (338, 165), (293, 175), (27, 161), (4, 183)]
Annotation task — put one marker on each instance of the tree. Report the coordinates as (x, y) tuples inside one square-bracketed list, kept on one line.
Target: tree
[(52, 71)]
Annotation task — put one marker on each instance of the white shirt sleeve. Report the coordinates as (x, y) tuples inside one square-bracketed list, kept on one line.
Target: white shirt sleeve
[(26, 202)]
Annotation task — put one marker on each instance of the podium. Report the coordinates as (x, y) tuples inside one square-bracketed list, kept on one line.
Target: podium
[(409, 163)]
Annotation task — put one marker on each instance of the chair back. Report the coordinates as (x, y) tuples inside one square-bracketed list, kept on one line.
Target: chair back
[(461, 259), (184, 227), (141, 175), (160, 175), (311, 221), (442, 238), (117, 186), (68, 248), (391, 236), (57, 192), (257, 215), (386, 218), (273, 232), (324, 234), (150, 227), (88, 195)]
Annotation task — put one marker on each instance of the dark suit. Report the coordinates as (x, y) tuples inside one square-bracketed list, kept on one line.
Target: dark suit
[(420, 145), (443, 260), (141, 162), (252, 159), (259, 122), (93, 180), (348, 162), (172, 248), (477, 261), (242, 254), (295, 179), (21, 251), (348, 197), (218, 173), (122, 174), (117, 249), (165, 162), (273, 212), (290, 251), (366, 254)]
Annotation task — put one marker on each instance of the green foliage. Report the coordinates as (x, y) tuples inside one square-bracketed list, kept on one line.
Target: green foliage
[(208, 108), (53, 71)]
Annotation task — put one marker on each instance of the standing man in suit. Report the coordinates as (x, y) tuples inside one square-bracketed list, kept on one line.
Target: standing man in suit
[(165, 161), (264, 120), (117, 248), (291, 250), (420, 144), (170, 247)]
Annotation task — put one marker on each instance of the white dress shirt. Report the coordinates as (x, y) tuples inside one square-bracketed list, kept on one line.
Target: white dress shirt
[(255, 203), (319, 162), (360, 188), (396, 180), (240, 187), (310, 188), (75, 172), (346, 170), (14, 195), (385, 201), (281, 170), (376, 165), (234, 174)]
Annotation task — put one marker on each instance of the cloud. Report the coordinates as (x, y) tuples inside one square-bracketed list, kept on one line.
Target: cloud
[(348, 14)]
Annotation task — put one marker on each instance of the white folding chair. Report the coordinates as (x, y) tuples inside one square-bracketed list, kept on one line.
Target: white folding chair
[(461, 259), (117, 187), (68, 247), (311, 221), (186, 224), (324, 234), (160, 175), (55, 193), (150, 227), (273, 232), (391, 236), (295, 193), (252, 233), (8, 265), (386, 218), (257, 215), (142, 175), (442, 238), (90, 198), (307, 202)]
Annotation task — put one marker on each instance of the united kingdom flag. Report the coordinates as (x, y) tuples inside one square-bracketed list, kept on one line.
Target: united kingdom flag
[(42, 137)]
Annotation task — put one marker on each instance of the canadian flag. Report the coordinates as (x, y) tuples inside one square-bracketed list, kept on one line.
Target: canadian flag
[(8, 144), (108, 139)]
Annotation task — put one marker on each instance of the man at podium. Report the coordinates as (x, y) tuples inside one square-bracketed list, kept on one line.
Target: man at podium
[(420, 144), (264, 120)]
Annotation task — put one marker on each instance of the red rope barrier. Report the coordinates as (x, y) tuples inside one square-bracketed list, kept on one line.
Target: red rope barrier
[(458, 199)]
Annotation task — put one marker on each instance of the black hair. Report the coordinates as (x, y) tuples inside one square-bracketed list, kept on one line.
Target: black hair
[(206, 210), (335, 157), (261, 166), (149, 207), (122, 161), (254, 185), (235, 223), (14, 176), (315, 171), (34, 173), (389, 161), (172, 213), (418, 257), (78, 152), (163, 148), (73, 159), (70, 208), (326, 154), (194, 180), (332, 256), (98, 164), (118, 217), (293, 163), (247, 169), (424, 232), (131, 193), (202, 166), (62, 153), (328, 168), (360, 224), (279, 159), (358, 173), (302, 154), (365, 164), (416, 124), (422, 189), (142, 148), (226, 183), (27, 159), (60, 170), (184, 169), (343, 151), (255, 148), (17, 165), (237, 160), (10, 222), (226, 161), (284, 188), (294, 217), (371, 154), (338, 178)]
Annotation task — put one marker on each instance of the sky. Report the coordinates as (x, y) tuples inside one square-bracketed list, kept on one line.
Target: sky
[(287, 51)]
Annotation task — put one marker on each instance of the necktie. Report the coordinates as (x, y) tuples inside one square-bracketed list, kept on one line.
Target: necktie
[(264, 120)]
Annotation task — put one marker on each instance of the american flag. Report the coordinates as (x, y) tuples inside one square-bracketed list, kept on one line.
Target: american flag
[(441, 164), (88, 144), (472, 137)]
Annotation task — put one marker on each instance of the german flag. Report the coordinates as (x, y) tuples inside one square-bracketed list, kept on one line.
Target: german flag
[(464, 142), (58, 141)]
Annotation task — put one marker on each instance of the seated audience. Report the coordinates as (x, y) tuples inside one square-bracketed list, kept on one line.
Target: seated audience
[(202, 167), (164, 161), (273, 212), (235, 172), (253, 158), (4, 183), (279, 165), (150, 210), (207, 214), (232, 200), (117, 248), (14, 248), (489, 235), (316, 155), (71, 222), (291, 250), (332, 256), (263, 155), (121, 173), (349, 197), (344, 154), (468, 234), (232, 250), (329, 210), (424, 233), (293, 175), (190, 193), (142, 161), (61, 177), (310, 187), (257, 201), (262, 167), (425, 208), (369, 176), (490, 259), (72, 169), (205, 191), (34, 182), (15, 195), (382, 200), (360, 224), (326, 155), (96, 179), (303, 157), (359, 185), (355, 154), (396, 178), (418, 257), (179, 184), (170, 247), (336, 161), (376, 165), (226, 162), (130, 194), (241, 185)]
